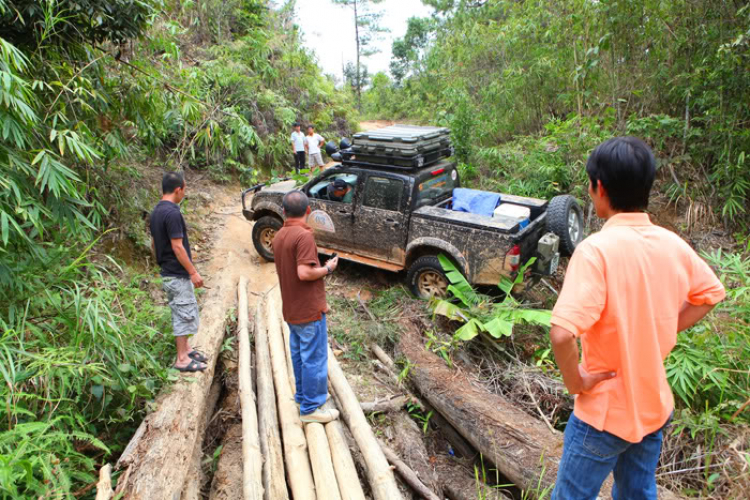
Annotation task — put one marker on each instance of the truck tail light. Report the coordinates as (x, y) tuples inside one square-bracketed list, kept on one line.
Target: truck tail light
[(438, 171), (513, 260)]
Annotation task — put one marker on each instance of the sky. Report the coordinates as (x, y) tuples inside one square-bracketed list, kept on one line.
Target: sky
[(328, 30)]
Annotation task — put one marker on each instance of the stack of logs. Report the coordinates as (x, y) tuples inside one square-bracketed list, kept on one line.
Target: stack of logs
[(313, 460)]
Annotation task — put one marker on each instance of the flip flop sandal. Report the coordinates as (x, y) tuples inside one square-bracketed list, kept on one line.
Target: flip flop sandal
[(197, 356), (194, 366)]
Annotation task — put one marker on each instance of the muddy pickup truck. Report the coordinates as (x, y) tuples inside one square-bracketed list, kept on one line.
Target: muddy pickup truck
[(403, 219)]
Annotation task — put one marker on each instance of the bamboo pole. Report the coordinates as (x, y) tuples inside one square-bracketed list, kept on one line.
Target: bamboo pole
[(379, 473), (268, 421), (341, 456), (408, 474), (298, 468), (252, 482)]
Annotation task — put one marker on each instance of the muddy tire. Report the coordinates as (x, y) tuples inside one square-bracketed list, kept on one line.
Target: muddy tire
[(263, 232), (565, 219), (426, 278)]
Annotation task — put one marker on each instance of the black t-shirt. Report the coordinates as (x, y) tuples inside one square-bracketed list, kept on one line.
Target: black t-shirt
[(167, 223)]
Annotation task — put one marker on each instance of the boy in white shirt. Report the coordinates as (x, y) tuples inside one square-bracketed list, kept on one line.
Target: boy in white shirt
[(313, 143), (298, 147)]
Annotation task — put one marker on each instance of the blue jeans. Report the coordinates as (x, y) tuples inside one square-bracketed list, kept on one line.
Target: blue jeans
[(309, 345), (590, 455)]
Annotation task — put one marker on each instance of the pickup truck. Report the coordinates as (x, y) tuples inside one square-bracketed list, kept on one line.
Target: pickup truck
[(402, 220)]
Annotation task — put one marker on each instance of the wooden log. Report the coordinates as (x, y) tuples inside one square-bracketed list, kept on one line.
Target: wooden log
[(394, 403), (168, 435), (341, 456), (195, 480), (252, 460), (383, 357), (507, 437), (326, 484), (227, 480), (274, 483), (408, 475), (287, 348), (298, 468), (380, 475), (104, 489), (458, 442), (407, 440)]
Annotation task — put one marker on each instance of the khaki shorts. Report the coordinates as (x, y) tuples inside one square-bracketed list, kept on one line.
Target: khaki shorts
[(315, 160), (182, 301)]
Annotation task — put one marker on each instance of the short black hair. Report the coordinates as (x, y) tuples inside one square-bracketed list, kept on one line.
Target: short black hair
[(295, 204), (295, 124), (172, 181), (626, 168), (311, 126)]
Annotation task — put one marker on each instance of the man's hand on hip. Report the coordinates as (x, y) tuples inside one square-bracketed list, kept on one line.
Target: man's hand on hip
[(590, 380), (196, 279)]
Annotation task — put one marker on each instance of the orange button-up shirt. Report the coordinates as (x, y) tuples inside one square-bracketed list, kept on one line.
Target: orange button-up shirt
[(622, 295)]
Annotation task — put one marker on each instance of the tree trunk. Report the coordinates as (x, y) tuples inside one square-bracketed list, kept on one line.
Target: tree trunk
[(252, 460), (509, 438), (341, 456), (274, 483), (358, 83), (382, 481), (298, 468), (168, 435)]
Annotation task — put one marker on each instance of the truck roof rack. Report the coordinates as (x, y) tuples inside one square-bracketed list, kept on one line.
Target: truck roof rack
[(400, 163)]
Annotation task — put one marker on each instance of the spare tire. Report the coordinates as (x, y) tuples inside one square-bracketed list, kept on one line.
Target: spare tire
[(331, 148), (565, 219)]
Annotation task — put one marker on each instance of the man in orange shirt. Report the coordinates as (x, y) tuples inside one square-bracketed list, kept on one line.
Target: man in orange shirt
[(628, 290)]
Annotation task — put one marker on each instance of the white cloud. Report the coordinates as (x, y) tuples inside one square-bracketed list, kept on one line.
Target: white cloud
[(328, 30)]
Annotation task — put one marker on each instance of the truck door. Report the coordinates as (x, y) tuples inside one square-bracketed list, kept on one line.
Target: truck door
[(332, 218), (381, 227)]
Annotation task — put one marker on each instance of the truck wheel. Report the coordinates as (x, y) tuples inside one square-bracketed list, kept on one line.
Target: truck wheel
[(263, 232), (565, 219), (426, 278)]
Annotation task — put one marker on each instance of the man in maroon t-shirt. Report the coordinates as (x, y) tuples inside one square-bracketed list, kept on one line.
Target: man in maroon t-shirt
[(304, 307)]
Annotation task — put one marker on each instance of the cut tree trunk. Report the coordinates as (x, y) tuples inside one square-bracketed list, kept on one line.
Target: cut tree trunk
[(326, 484), (298, 468), (513, 441), (509, 438), (341, 456), (252, 460), (274, 483), (157, 459), (379, 473), (406, 439), (195, 480), (227, 480)]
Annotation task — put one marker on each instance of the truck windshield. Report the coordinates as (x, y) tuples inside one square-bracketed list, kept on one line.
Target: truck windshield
[(435, 188)]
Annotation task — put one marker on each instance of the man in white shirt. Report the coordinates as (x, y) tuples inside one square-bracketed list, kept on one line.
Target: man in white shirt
[(298, 147), (313, 143)]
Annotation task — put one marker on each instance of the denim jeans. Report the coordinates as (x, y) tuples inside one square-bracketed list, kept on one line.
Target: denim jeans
[(590, 455), (309, 345)]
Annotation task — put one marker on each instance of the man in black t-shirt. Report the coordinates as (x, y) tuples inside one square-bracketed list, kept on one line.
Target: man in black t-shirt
[(171, 247)]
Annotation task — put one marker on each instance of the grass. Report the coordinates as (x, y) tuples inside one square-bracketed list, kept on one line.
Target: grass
[(81, 355)]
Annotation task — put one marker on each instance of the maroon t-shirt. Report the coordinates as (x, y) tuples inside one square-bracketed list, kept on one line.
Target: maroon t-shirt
[(294, 245)]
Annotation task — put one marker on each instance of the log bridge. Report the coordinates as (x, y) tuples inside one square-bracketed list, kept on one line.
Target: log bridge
[(282, 458)]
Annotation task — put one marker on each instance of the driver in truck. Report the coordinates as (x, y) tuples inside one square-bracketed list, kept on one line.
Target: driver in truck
[(340, 190)]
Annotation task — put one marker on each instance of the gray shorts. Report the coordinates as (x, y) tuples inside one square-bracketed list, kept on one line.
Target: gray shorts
[(315, 160), (181, 297)]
